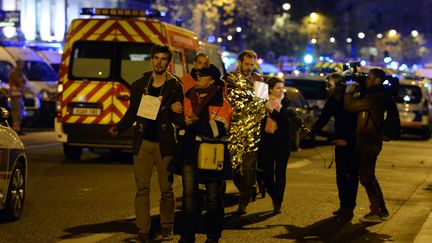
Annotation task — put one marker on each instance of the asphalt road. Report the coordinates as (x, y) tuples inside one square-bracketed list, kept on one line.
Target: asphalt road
[(92, 200)]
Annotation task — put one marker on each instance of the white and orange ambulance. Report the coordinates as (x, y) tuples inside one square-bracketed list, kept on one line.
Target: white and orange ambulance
[(102, 56)]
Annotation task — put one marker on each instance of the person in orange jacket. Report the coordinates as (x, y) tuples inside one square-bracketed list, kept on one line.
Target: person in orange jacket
[(188, 80), (207, 116)]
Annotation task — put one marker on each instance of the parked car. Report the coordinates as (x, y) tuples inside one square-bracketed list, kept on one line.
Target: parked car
[(13, 170), (415, 109), (42, 82), (314, 90), (306, 112), (53, 58)]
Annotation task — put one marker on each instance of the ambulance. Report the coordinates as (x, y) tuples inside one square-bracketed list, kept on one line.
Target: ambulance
[(103, 55)]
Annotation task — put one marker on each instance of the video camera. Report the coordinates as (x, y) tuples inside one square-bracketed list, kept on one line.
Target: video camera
[(352, 74)]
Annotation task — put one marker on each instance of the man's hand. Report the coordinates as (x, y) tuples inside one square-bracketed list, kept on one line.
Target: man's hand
[(340, 142), (352, 88), (113, 131), (191, 119), (304, 130), (177, 107)]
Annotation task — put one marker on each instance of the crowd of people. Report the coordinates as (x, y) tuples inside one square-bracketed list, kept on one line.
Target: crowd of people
[(207, 127)]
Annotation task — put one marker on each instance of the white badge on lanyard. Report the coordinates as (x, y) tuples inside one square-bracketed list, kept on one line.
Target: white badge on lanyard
[(149, 105)]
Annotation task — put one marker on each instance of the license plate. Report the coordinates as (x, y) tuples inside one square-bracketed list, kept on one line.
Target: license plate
[(86, 111)]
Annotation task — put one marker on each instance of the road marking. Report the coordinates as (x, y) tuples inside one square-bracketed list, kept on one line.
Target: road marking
[(298, 164), (88, 239)]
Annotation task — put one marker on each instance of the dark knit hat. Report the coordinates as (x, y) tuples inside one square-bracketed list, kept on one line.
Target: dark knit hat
[(212, 71)]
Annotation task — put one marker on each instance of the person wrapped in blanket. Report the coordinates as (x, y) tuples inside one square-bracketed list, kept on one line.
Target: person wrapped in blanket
[(207, 117)]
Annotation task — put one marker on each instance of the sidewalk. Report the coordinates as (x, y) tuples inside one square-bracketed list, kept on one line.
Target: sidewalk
[(425, 234)]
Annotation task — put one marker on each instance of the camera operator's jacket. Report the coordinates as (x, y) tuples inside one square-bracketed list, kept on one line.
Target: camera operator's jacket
[(370, 106)]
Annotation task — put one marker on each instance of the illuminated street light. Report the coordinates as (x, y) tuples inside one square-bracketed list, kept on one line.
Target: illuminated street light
[(379, 35), (332, 40), (229, 37), (239, 29), (392, 33), (348, 40), (313, 41), (313, 16), (361, 35), (286, 6), (219, 40), (414, 33)]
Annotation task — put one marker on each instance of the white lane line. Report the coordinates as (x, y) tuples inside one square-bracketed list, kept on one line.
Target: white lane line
[(88, 239), (298, 164)]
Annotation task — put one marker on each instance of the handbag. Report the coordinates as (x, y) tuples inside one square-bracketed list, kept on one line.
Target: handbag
[(211, 156)]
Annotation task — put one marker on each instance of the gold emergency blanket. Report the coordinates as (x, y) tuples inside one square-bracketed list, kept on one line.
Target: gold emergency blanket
[(248, 111)]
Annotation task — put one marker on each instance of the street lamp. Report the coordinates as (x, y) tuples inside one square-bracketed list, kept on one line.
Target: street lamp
[(313, 16), (286, 6), (219, 40), (229, 37), (239, 29), (361, 35), (348, 40), (379, 35), (332, 40), (392, 33), (414, 33), (313, 41)]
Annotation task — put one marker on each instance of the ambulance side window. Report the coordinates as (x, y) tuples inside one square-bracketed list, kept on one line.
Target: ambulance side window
[(135, 60), (190, 58), (91, 60), (178, 64)]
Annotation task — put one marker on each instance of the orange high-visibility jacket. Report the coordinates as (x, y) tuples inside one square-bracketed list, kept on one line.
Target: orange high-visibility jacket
[(217, 113)]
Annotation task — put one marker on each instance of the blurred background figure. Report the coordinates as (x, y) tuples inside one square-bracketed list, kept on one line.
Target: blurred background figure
[(17, 81)]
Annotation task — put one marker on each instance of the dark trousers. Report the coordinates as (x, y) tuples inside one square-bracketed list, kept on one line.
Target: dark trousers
[(347, 176), (274, 164), (191, 205), (367, 161), (245, 179)]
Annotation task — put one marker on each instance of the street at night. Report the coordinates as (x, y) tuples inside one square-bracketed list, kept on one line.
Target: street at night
[(92, 200)]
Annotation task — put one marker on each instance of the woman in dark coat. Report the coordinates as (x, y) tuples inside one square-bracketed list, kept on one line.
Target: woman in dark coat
[(276, 141)]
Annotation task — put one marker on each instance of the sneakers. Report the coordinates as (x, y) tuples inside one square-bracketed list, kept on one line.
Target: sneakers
[(141, 238), (344, 213), (385, 215), (371, 218), (165, 235)]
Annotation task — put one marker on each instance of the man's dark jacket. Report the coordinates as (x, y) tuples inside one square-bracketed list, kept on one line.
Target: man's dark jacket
[(166, 118)]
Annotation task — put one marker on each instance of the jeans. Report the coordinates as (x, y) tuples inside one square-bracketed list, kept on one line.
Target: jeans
[(274, 163), (367, 161), (245, 180), (149, 156), (347, 176), (191, 206)]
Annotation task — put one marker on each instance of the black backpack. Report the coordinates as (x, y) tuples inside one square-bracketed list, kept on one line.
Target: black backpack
[(390, 129)]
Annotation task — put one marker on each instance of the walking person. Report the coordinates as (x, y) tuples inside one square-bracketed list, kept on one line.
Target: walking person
[(188, 80), (370, 107), (154, 142), (347, 168), (17, 82), (276, 141), (207, 117), (248, 110)]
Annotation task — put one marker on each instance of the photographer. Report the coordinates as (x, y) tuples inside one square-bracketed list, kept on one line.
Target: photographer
[(370, 105), (344, 141)]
